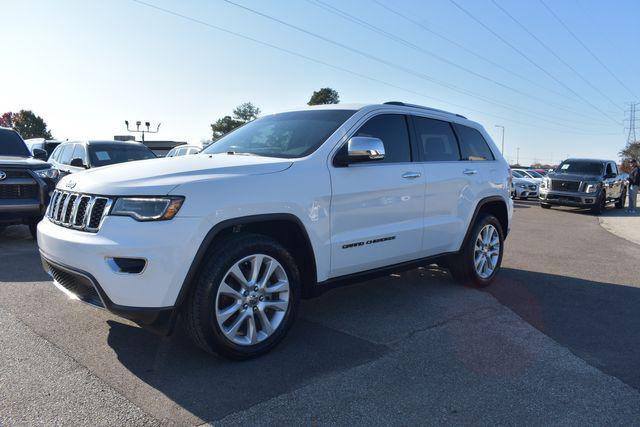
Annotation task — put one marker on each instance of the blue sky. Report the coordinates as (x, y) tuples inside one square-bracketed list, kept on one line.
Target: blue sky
[(86, 66)]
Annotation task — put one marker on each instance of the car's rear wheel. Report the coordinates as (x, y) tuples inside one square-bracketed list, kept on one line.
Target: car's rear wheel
[(33, 229), (480, 258), (622, 199), (245, 298), (545, 205)]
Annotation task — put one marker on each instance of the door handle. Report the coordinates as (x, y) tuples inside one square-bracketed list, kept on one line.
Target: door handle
[(411, 175), (469, 171)]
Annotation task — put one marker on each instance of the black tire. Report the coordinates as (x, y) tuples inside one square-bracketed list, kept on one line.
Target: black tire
[(33, 229), (199, 310), (622, 199), (545, 205), (462, 265), (600, 204)]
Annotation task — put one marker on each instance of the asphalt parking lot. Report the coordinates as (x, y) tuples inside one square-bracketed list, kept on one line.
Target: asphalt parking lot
[(554, 341)]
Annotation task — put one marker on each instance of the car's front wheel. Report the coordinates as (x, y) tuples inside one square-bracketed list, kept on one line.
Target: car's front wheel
[(622, 199), (480, 258), (245, 298)]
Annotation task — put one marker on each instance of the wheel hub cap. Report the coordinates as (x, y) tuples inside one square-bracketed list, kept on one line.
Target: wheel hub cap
[(487, 251)]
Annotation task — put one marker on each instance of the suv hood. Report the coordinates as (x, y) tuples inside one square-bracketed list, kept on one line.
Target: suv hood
[(22, 162), (159, 176), (574, 177), (523, 181)]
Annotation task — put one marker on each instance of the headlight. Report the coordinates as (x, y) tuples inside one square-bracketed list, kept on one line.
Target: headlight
[(50, 173), (147, 208), (521, 186), (591, 187), (546, 183)]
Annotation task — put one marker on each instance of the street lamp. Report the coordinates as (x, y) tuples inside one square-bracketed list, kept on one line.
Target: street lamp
[(500, 126)]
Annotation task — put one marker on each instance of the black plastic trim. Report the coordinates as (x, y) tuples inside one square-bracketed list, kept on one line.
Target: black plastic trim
[(160, 319)]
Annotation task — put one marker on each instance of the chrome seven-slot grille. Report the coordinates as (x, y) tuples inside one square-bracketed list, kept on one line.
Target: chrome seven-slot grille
[(80, 211)]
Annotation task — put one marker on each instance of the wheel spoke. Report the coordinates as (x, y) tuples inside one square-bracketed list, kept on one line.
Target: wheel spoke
[(477, 260), (252, 333), (226, 313), (280, 286), (277, 305), (265, 322), (233, 330), (256, 264), (239, 275), (271, 267), (229, 291)]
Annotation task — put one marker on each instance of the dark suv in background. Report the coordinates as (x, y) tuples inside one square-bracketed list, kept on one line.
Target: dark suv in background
[(25, 182), (76, 156), (584, 183)]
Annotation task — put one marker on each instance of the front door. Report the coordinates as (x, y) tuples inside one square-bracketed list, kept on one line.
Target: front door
[(377, 207)]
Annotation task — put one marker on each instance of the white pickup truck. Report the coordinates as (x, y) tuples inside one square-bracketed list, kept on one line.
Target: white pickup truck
[(280, 209)]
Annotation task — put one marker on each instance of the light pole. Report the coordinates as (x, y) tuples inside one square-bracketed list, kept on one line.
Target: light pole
[(137, 129), (500, 126)]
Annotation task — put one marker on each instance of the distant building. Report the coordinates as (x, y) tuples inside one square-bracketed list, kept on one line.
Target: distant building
[(160, 148)]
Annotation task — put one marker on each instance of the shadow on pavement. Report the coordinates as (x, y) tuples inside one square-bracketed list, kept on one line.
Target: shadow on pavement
[(211, 387), (19, 256), (598, 322)]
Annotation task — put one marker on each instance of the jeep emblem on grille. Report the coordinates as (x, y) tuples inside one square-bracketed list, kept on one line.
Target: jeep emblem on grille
[(2, 175), (70, 184)]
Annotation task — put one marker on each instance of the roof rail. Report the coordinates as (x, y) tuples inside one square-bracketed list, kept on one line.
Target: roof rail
[(404, 104)]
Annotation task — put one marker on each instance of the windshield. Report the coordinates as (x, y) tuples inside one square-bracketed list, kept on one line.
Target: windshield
[(286, 135), (518, 174), (580, 167), (12, 145), (534, 174), (109, 154)]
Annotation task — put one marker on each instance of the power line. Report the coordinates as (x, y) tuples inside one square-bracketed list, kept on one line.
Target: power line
[(345, 15), (472, 52), (383, 61), (557, 18), (558, 57), (534, 63), (351, 72)]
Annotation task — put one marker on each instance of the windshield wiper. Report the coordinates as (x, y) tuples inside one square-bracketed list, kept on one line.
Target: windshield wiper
[(239, 153)]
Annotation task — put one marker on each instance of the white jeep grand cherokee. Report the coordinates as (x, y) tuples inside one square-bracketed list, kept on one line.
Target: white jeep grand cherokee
[(280, 209)]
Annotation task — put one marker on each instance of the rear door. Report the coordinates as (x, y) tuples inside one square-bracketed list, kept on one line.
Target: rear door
[(447, 197), (377, 207)]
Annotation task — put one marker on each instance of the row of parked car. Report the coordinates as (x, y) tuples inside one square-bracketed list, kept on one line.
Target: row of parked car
[(582, 183), (29, 170)]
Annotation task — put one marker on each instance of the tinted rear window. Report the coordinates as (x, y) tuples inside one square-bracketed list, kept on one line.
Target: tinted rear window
[(109, 154), (473, 144), (436, 140), (12, 145)]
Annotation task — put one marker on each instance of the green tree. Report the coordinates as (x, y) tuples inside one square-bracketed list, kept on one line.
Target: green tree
[(242, 114), (631, 151), (27, 124), (326, 95)]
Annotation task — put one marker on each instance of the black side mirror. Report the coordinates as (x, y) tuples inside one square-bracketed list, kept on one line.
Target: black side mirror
[(40, 154), (78, 163)]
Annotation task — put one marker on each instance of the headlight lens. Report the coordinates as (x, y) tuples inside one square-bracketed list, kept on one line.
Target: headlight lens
[(546, 183), (147, 208), (521, 186), (50, 173), (591, 187)]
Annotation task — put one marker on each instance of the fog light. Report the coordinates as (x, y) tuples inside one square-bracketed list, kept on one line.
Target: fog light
[(127, 265)]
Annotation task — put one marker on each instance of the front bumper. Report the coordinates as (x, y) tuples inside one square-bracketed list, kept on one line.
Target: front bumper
[(167, 247), (525, 192), (562, 198)]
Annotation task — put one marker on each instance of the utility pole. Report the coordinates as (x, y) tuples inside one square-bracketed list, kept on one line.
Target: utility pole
[(632, 120), (518, 156), (143, 131), (500, 126)]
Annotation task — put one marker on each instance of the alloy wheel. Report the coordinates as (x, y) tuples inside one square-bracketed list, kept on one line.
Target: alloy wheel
[(486, 251), (252, 300)]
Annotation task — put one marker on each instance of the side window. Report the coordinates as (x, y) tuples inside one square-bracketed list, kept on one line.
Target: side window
[(472, 144), (392, 130), (55, 154), (615, 168), (79, 153), (436, 140), (65, 154)]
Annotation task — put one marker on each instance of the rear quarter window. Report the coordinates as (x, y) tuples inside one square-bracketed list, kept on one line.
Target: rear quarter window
[(473, 146)]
